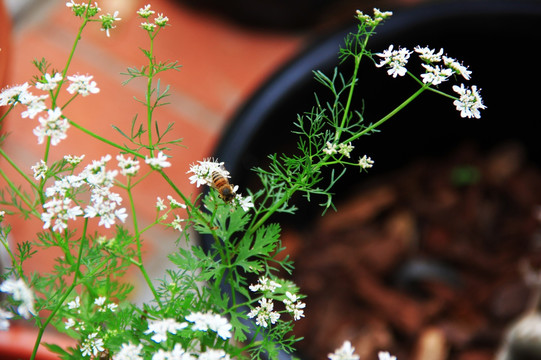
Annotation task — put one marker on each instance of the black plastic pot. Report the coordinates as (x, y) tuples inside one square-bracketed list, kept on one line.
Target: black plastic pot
[(496, 39)]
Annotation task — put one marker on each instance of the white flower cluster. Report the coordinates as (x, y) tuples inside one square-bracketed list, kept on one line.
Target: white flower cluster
[(378, 17), (202, 175), (347, 352), (173, 204), (103, 202), (209, 321), (54, 124), (265, 313), (92, 345), (160, 20), (158, 162), (101, 305), (345, 150), (160, 328), (133, 352), (21, 294), (107, 21), (438, 69)]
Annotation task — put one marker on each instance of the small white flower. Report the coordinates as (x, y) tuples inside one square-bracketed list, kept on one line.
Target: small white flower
[(395, 60), (4, 319), (100, 301), (177, 223), (148, 26), (331, 149), (16, 94), (365, 162), (265, 284), (384, 355), (244, 202), (34, 106), (435, 75), (48, 82), (264, 313), (174, 203), (107, 22), (73, 160), (457, 67), (82, 84), (159, 162), (345, 149), (214, 354), (54, 126), (294, 306), (58, 212), (345, 352), (75, 303), (378, 17), (145, 12), (202, 172), (209, 321), (92, 345), (469, 103), (128, 166), (160, 205), (69, 323), (382, 14), (160, 328), (428, 54), (129, 352), (40, 170), (104, 205), (20, 292), (161, 20)]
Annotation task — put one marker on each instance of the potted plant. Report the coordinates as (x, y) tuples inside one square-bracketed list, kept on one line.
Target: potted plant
[(84, 219), (472, 28)]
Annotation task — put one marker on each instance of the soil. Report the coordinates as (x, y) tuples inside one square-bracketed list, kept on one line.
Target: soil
[(427, 262)]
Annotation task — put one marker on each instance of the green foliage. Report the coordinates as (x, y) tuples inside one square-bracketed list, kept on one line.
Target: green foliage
[(217, 300)]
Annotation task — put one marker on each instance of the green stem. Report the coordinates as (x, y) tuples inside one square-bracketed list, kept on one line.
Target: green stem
[(149, 95), (102, 139), (60, 303), (140, 263), (389, 115), (70, 57), (16, 190), (272, 210), (18, 169)]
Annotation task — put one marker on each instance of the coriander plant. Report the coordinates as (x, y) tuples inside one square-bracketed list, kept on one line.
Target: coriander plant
[(190, 315)]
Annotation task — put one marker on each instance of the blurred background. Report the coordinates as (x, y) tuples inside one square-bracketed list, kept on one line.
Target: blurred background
[(246, 72)]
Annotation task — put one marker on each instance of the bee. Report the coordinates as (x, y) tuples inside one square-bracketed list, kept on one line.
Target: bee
[(225, 189)]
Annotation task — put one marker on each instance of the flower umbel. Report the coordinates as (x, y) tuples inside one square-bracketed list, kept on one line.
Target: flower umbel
[(160, 328), (469, 103), (345, 352), (20, 293), (54, 126), (395, 60), (108, 22), (82, 84)]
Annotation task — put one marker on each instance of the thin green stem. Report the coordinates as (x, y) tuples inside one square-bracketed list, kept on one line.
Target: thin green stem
[(139, 245), (18, 169), (107, 141), (60, 303), (389, 115), (149, 95), (70, 57), (17, 191)]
